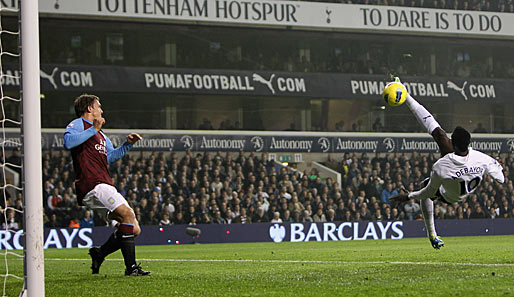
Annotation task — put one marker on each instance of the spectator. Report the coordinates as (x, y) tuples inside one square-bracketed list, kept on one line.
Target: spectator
[(306, 218), (74, 223), (364, 213), (411, 209), (218, 219), (377, 216), (165, 220), (396, 215), (319, 217), (388, 215), (179, 219), (388, 192), (260, 216), (87, 220), (276, 218), (54, 199), (331, 217), (14, 159), (492, 213), (450, 213), (287, 217), (10, 223), (205, 219), (478, 213), (53, 223), (243, 218), (480, 129), (151, 218), (505, 209)]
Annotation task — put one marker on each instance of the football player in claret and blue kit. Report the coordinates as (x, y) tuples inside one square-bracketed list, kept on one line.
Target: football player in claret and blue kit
[(456, 174), (92, 151)]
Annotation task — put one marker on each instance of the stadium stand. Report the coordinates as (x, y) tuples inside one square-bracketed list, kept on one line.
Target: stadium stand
[(193, 188)]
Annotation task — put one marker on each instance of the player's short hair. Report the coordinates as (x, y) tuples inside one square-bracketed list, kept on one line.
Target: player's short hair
[(461, 139), (83, 102)]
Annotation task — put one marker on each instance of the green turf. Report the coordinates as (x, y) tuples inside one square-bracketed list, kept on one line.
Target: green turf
[(350, 268)]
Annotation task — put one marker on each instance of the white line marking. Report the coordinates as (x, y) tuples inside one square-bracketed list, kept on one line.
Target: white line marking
[(301, 261)]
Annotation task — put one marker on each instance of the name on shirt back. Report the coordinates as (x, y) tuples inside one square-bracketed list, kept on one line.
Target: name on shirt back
[(469, 170)]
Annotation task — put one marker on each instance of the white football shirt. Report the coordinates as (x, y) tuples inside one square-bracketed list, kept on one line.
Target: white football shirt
[(457, 176)]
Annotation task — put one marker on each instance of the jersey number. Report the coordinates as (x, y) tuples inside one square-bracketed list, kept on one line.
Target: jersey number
[(466, 188)]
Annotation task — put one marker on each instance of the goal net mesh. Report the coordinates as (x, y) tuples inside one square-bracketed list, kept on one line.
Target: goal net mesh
[(11, 201)]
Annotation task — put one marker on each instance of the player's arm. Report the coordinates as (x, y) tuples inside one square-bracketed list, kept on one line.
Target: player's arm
[(114, 155), (75, 134), (427, 192), (495, 170)]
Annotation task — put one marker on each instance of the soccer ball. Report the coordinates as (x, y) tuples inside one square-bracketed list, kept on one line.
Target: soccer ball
[(394, 94)]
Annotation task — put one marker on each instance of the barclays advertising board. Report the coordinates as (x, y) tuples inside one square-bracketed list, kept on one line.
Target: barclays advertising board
[(265, 232)]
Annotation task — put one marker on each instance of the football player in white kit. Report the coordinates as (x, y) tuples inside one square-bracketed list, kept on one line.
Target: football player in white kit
[(457, 173)]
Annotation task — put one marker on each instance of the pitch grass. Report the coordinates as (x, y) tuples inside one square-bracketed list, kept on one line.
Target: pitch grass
[(351, 268)]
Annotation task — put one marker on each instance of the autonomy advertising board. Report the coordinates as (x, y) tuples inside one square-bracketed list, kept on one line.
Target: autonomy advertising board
[(283, 142), (266, 232)]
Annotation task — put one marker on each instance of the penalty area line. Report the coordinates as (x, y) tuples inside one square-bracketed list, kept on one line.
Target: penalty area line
[(301, 262)]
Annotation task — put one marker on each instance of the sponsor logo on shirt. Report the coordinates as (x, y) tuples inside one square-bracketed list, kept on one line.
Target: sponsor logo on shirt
[(101, 147)]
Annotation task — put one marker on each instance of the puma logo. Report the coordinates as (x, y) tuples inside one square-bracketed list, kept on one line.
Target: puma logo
[(50, 77), (258, 78), (452, 85)]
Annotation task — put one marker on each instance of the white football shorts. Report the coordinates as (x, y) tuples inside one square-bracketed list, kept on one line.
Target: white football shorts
[(104, 196)]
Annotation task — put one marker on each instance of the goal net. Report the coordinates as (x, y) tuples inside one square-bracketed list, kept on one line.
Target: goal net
[(21, 212)]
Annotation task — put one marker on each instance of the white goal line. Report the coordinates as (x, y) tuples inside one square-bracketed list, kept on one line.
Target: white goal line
[(302, 262)]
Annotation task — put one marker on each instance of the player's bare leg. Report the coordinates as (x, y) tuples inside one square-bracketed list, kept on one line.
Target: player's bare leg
[(125, 215), (443, 141), (427, 120)]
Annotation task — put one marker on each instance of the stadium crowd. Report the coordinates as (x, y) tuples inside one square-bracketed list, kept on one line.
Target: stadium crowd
[(205, 188)]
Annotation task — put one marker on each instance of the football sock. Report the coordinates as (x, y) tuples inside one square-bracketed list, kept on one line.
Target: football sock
[(427, 207), (424, 117), (110, 246), (125, 235)]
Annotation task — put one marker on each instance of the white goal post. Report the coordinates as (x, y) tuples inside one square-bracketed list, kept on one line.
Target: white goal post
[(31, 131)]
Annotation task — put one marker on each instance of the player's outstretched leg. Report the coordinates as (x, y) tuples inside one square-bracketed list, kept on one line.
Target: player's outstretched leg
[(427, 208), (427, 120)]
